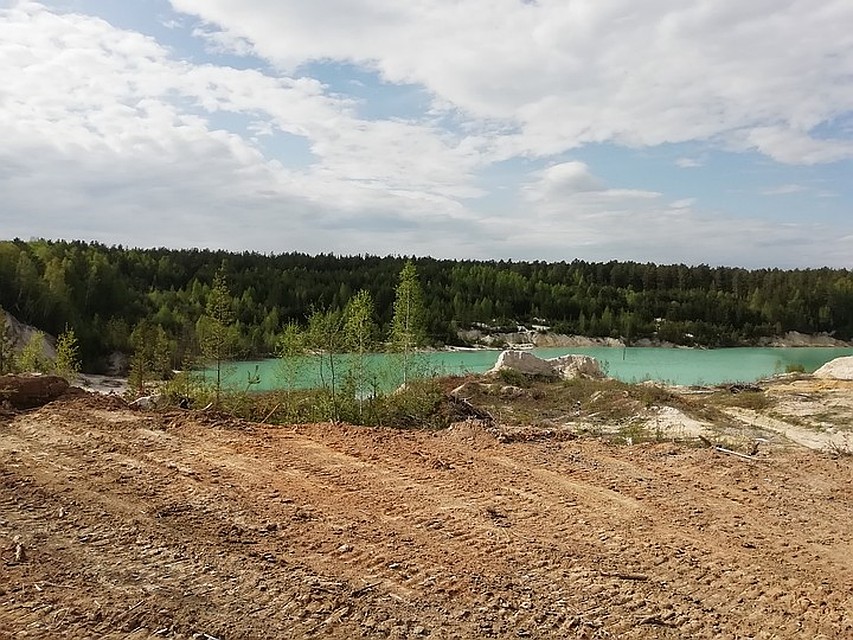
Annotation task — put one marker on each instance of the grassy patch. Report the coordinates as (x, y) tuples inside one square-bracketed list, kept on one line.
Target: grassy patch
[(753, 400), (584, 400)]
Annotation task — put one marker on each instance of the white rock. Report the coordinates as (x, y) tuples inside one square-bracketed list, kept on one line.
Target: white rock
[(147, 403), (838, 369), (523, 362), (574, 366)]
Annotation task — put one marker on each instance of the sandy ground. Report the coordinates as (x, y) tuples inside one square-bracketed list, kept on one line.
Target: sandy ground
[(107, 385), (121, 524), (809, 412)]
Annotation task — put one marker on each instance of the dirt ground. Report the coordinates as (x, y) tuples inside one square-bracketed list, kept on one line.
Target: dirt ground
[(122, 524)]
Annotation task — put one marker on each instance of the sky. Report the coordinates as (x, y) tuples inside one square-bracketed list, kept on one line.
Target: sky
[(668, 131)]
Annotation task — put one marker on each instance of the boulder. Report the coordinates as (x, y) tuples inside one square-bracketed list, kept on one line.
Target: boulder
[(523, 362), (147, 403), (838, 369), (29, 391), (575, 366)]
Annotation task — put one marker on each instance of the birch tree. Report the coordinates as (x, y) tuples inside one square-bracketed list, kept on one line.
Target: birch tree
[(408, 326)]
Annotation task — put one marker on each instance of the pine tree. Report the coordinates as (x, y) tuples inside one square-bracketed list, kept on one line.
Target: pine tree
[(408, 332), (217, 330), (151, 358)]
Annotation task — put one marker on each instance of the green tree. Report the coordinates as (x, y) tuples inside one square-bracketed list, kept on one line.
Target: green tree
[(217, 331), (326, 336), (290, 350), (67, 363), (151, 357), (408, 327), (32, 358), (360, 339), (7, 349)]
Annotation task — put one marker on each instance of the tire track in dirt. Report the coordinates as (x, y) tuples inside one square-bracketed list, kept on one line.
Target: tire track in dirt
[(334, 531)]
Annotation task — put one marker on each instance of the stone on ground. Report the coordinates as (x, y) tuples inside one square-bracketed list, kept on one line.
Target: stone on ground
[(574, 366), (838, 369), (566, 367), (523, 362)]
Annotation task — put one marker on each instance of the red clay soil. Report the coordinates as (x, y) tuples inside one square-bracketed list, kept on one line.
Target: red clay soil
[(120, 524)]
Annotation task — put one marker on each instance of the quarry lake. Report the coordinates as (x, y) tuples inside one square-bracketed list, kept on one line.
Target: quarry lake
[(673, 366)]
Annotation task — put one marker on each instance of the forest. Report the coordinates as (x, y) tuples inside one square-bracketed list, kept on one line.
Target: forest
[(105, 293)]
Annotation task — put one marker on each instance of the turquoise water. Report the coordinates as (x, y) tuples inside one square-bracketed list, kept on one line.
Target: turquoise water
[(674, 366)]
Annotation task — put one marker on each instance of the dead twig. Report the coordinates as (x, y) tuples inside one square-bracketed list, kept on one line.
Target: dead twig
[(639, 577), (267, 417), (656, 621), (364, 589), (134, 606)]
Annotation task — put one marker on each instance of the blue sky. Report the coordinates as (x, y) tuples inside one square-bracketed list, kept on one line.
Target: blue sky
[(714, 131)]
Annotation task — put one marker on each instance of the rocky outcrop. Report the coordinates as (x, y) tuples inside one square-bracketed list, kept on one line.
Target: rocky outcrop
[(29, 391), (563, 340), (23, 333), (566, 367), (575, 366), (523, 362), (797, 339), (838, 369), (533, 338)]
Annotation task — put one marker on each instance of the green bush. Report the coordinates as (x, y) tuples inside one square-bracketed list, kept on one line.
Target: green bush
[(513, 377)]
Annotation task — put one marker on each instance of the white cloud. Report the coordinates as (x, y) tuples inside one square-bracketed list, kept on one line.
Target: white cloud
[(794, 146), (568, 206), (685, 203), (92, 107), (224, 42), (784, 190), (688, 163), (574, 181), (566, 178), (759, 75), (108, 135)]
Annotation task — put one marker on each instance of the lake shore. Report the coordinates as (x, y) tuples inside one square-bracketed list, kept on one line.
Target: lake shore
[(531, 339)]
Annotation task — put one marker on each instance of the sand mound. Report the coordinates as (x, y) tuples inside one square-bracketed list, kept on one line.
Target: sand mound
[(838, 369)]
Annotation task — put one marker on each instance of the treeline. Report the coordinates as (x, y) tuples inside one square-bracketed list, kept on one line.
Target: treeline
[(104, 293)]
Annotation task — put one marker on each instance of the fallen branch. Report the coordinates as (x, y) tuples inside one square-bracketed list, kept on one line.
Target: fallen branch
[(267, 417), (364, 589), (134, 606), (639, 577), (655, 620), (735, 453), (469, 410), (58, 586)]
